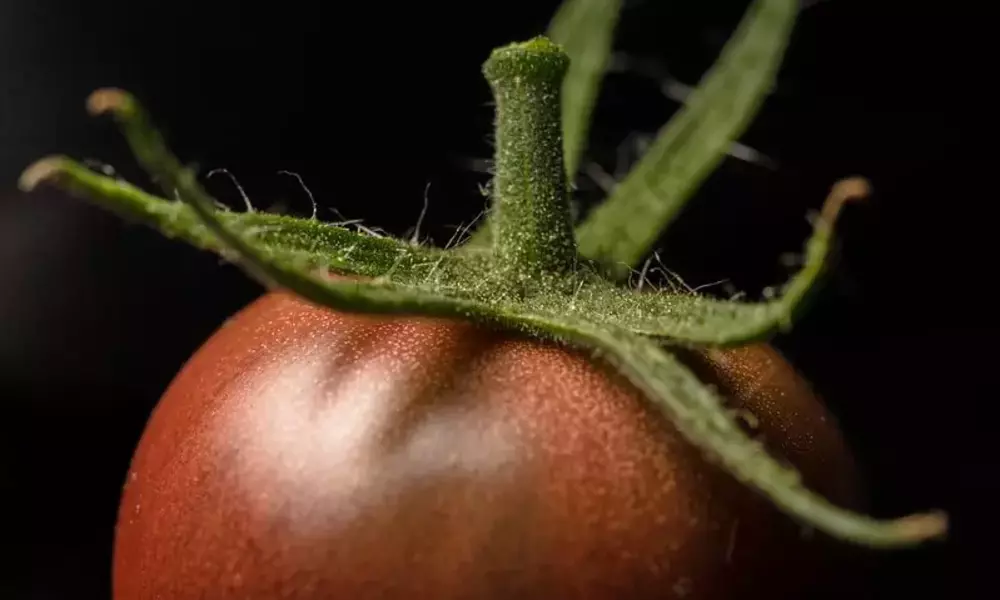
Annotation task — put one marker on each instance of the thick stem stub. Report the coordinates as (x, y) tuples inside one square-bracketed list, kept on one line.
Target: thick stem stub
[(533, 232)]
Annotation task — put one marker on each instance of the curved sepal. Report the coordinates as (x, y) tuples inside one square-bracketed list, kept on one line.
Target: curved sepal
[(621, 230)]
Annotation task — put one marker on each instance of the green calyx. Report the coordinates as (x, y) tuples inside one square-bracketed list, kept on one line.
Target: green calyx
[(528, 270)]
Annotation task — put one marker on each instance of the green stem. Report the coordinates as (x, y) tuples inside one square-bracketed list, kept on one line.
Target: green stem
[(533, 233)]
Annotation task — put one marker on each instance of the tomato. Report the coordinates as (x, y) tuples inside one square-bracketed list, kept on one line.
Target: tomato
[(306, 453)]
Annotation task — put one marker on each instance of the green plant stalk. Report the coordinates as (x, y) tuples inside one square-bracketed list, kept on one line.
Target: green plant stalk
[(585, 30), (533, 235)]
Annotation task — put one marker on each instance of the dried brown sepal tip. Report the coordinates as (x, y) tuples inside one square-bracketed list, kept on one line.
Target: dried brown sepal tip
[(924, 526), (42, 171), (850, 189), (111, 100)]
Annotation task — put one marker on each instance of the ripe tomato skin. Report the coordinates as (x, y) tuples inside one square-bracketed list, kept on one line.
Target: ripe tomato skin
[(305, 453)]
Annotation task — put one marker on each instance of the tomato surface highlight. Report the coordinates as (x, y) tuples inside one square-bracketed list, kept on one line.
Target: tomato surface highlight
[(307, 453)]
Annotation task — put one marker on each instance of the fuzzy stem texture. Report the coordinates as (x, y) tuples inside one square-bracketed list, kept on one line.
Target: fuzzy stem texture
[(533, 233)]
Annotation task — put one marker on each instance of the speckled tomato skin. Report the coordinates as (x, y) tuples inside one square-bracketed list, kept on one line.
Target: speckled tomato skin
[(304, 453)]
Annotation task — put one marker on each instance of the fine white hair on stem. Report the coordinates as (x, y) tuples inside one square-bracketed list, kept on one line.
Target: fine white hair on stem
[(703, 286), (454, 236), (339, 215), (370, 231), (302, 183), (415, 238), (677, 91), (357, 223), (598, 175), (642, 273), (239, 188), (461, 232), (670, 275)]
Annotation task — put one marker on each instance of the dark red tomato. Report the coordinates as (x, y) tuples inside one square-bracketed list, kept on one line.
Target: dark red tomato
[(305, 453)]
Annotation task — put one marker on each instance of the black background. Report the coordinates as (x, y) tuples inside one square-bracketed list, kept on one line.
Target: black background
[(369, 102)]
